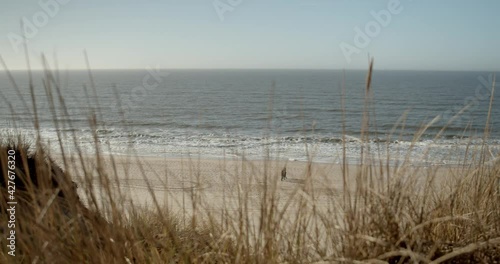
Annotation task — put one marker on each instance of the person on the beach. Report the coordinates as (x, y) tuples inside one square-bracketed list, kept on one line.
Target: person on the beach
[(283, 174)]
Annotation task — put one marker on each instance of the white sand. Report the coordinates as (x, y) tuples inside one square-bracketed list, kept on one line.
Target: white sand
[(218, 187), (215, 184)]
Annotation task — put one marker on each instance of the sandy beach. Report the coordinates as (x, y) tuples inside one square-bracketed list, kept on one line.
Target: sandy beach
[(217, 181), (221, 186)]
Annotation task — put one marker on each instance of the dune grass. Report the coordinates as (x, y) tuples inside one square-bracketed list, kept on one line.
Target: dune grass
[(385, 214)]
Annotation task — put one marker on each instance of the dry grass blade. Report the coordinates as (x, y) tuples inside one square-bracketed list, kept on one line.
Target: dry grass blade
[(467, 249)]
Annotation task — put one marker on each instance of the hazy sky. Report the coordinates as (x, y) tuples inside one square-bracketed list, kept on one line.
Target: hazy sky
[(331, 34)]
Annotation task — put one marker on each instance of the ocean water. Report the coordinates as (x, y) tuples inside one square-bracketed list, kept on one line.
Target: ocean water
[(285, 114)]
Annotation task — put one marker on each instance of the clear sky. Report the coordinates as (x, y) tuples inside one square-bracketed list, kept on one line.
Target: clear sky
[(311, 34)]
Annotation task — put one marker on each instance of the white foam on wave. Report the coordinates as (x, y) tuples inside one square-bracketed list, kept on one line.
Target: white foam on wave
[(157, 142)]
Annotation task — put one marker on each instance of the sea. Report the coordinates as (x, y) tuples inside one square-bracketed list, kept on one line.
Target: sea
[(426, 117)]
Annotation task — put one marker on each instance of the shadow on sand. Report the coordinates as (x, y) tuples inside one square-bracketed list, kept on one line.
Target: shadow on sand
[(296, 181)]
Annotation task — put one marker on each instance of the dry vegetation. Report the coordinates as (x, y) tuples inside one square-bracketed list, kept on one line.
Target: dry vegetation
[(386, 214)]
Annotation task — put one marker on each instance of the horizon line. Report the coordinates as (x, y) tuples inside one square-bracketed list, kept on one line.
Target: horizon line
[(239, 69)]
